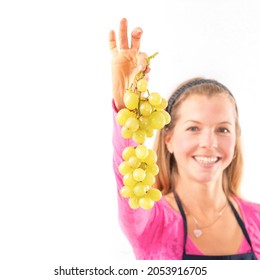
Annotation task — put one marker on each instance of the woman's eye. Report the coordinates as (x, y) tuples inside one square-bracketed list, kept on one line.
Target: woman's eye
[(193, 128), (223, 130)]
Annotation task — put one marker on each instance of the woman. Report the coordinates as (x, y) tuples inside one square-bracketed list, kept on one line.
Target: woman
[(201, 215)]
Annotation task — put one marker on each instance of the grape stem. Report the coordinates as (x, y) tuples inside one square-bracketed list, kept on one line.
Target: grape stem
[(150, 57)]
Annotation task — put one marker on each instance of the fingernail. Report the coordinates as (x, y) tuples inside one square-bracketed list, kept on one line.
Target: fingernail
[(138, 31)]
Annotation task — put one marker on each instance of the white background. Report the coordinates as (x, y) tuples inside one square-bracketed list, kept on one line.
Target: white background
[(58, 197)]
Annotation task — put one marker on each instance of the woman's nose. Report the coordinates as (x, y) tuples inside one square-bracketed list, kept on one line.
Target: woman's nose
[(208, 140)]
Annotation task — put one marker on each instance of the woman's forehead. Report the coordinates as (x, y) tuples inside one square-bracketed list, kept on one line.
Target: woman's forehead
[(203, 106)]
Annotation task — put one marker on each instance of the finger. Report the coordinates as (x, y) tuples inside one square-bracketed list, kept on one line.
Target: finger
[(147, 70), (142, 61), (144, 69), (123, 40), (112, 41), (136, 38)]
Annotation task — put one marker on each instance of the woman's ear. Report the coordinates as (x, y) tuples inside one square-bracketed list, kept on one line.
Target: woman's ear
[(168, 141)]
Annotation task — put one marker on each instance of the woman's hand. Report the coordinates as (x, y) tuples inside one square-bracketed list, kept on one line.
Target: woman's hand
[(126, 60)]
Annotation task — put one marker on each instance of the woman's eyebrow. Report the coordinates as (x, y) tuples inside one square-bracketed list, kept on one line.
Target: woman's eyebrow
[(198, 122)]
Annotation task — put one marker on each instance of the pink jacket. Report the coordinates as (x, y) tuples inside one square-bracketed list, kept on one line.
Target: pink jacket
[(157, 234)]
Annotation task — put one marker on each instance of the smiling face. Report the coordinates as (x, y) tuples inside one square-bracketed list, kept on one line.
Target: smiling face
[(204, 137)]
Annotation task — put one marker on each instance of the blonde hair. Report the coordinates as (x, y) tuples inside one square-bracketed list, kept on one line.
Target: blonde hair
[(232, 176)]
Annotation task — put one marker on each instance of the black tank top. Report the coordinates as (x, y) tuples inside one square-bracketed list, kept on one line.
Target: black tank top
[(245, 256)]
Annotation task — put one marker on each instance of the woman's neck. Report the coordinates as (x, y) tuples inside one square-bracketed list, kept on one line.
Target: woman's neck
[(201, 198)]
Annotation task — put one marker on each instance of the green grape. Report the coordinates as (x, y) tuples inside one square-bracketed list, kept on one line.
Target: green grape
[(134, 162), (151, 158), (141, 151), (157, 120), (140, 189), (142, 85), (162, 105), (129, 180), (149, 179), (139, 174), (133, 202), (149, 132), (132, 124), (124, 168), (131, 100), (145, 108), (126, 191), (153, 168), (155, 99), (123, 115), (126, 133), (139, 136), (128, 152), (144, 122), (146, 203), (154, 194), (167, 117)]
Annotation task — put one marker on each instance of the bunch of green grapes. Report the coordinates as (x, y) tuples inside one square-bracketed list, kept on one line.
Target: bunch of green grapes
[(139, 169), (144, 113)]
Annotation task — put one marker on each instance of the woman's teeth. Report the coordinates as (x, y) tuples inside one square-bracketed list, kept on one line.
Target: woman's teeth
[(206, 160)]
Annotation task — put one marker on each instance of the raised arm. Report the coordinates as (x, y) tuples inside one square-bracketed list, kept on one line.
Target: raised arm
[(126, 62)]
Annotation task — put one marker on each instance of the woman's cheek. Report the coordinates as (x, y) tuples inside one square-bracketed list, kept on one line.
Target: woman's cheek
[(228, 146), (184, 145)]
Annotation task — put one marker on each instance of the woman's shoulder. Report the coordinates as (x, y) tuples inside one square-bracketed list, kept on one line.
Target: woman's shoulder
[(249, 208), (248, 204)]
